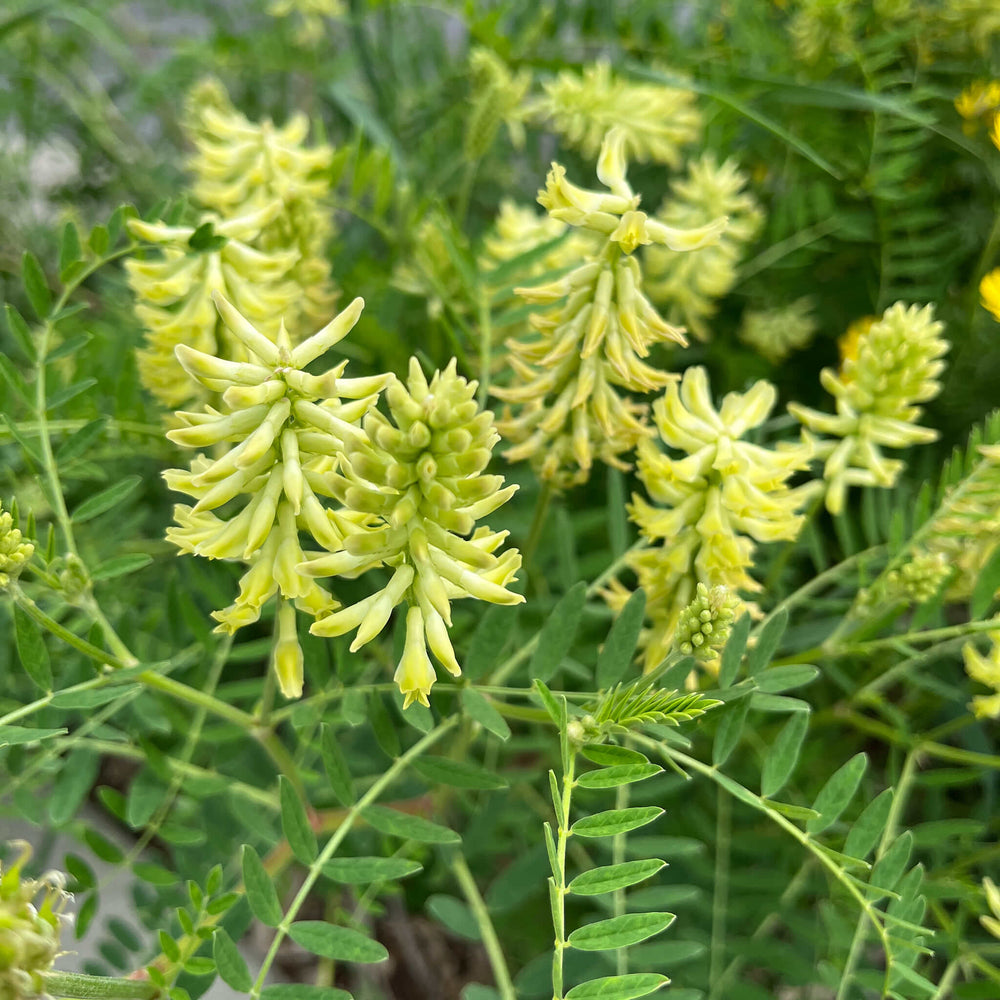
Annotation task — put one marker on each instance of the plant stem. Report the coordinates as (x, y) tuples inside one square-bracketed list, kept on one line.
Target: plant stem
[(491, 942), (316, 868), (618, 843), (720, 893), (538, 522), (557, 884), (83, 987), (485, 347)]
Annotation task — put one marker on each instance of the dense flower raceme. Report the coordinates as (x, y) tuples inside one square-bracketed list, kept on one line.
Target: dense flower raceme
[(413, 488), (274, 444), (567, 376), (15, 551), (774, 333), (915, 581), (174, 294), (711, 506), (687, 286), (886, 371), (656, 120), (704, 625), (31, 921), (241, 166)]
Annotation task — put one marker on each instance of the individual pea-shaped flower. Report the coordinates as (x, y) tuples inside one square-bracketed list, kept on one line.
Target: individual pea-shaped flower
[(704, 625), (274, 442), (15, 551), (174, 294), (887, 369), (713, 504), (415, 486), (31, 921)]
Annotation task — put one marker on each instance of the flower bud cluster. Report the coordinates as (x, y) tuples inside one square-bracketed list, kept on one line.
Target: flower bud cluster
[(274, 440), (774, 333), (656, 120), (978, 104), (916, 581), (885, 372), (241, 166), (174, 294), (985, 670), (497, 96), (712, 505), (689, 285), (704, 625), (15, 551), (31, 919), (593, 342), (413, 487)]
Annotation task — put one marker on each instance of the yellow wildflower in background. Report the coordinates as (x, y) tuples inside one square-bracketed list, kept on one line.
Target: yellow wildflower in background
[(241, 166), (656, 120), (985, 670), (14, 550), (989, 289), (174, 294), (978, 105), (688, 285), (890, 368), (711, 506), (593, 342), (413, 487), (309, 15), (774, 333), (282, 430)]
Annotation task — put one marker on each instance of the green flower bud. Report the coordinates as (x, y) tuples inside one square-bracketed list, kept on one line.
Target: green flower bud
[(31, 920), (703, 626), (14, 550)]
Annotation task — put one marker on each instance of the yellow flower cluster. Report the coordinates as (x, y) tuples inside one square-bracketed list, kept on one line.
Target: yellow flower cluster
[(985, 670), (594, 340), (989, 289), (688, 285), (774, 333), (978, 105), (655, 120), (712, 505), (31, 919), (259, 242), (240, 166), (14, 550), (281, 429), (412, 487), (174, 293), (892, 367)]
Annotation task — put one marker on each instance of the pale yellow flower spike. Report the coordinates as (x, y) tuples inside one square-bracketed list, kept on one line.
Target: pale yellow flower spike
[(274, 442), (593, 342), (656, 120), (413, 488), (712, 505), (890, 368), (240, 166), (14, 550), (174, 295), (688, 286)]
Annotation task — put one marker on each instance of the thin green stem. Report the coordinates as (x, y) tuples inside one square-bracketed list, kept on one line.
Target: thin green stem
[(83, 987), (485, 347), (330, 848), (720, 892), (928, 635), (538, 522), (487, 931), (557, 884), (618, 844)]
